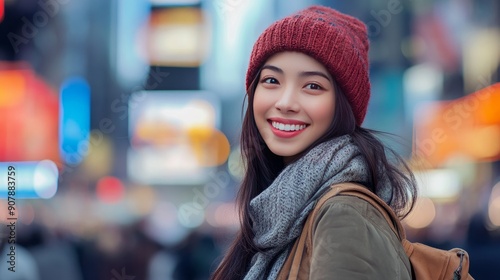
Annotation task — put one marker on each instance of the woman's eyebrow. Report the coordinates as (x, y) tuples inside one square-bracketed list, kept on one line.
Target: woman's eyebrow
[(314, 73), (273, 68), (302, 74)]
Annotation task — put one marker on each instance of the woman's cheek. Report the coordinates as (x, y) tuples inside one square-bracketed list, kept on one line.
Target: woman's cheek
[(322, 109), (261, 103)]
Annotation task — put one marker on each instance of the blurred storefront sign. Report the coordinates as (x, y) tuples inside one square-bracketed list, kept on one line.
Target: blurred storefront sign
[(177, 36), (29, 115), (175, 137), (467, 127)]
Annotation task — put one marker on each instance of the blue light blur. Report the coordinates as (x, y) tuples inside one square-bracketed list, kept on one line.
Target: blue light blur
[(74, 120), (28, 179)]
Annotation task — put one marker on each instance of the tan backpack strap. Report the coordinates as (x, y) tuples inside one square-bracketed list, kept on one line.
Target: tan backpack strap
[(290, 269), (287, 266)]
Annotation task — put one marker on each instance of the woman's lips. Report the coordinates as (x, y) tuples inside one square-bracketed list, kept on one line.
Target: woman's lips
[(286, 128)]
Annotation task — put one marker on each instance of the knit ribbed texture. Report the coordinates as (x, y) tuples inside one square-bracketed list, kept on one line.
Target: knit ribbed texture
[(338, 41), (279, 212)]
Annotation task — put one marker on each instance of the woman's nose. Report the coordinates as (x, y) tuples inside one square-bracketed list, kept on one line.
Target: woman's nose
[(287, 101)]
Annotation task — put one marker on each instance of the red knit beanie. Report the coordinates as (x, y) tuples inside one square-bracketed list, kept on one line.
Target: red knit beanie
[(338, 41)]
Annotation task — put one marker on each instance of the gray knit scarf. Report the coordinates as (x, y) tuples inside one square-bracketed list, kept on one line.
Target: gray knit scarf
[(279, 212)]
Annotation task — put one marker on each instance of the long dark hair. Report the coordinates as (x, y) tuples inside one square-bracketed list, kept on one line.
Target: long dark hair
[(263, 166)]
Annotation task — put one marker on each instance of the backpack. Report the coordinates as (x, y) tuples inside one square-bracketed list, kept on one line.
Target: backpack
[(428, 263)]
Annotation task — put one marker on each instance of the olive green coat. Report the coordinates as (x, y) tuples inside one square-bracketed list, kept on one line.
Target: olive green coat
[(351, 240)]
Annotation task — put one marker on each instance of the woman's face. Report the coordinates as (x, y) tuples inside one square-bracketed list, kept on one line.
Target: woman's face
[(294, 103)]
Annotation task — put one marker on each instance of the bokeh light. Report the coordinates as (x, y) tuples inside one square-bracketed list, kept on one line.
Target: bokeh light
[(110, 189), (422, 215), (45, 179), (494, 206)]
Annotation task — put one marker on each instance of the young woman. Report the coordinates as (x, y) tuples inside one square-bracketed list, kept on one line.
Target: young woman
[(308, 90)]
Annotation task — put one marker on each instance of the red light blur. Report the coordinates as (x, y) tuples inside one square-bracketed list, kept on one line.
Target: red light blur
[(109, 189), (2, 9)]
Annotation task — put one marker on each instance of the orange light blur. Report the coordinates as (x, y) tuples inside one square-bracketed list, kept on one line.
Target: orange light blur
[(12, 87), (488, 112), (210, 146), (469, 126), (29, 113)]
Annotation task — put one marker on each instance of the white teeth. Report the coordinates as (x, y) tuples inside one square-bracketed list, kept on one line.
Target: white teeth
[(288, 127)]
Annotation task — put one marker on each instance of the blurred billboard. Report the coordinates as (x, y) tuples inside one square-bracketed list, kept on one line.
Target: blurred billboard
[(468, 127), (174, 137)]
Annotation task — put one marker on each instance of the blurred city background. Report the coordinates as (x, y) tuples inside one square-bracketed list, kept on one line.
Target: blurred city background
[(122, 117)]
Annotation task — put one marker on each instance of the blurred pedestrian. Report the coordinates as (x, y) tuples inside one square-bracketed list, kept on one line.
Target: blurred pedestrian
[(195, 256), (17, 263)]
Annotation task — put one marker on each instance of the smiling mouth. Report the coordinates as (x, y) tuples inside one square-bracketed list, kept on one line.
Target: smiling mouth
[(288, 127)]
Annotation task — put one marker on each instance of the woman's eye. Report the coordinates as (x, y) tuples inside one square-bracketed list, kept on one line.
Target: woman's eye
[(313, 86), (270, 81)]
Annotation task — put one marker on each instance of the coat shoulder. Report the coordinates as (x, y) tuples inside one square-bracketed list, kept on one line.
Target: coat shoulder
[(351, 237)]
